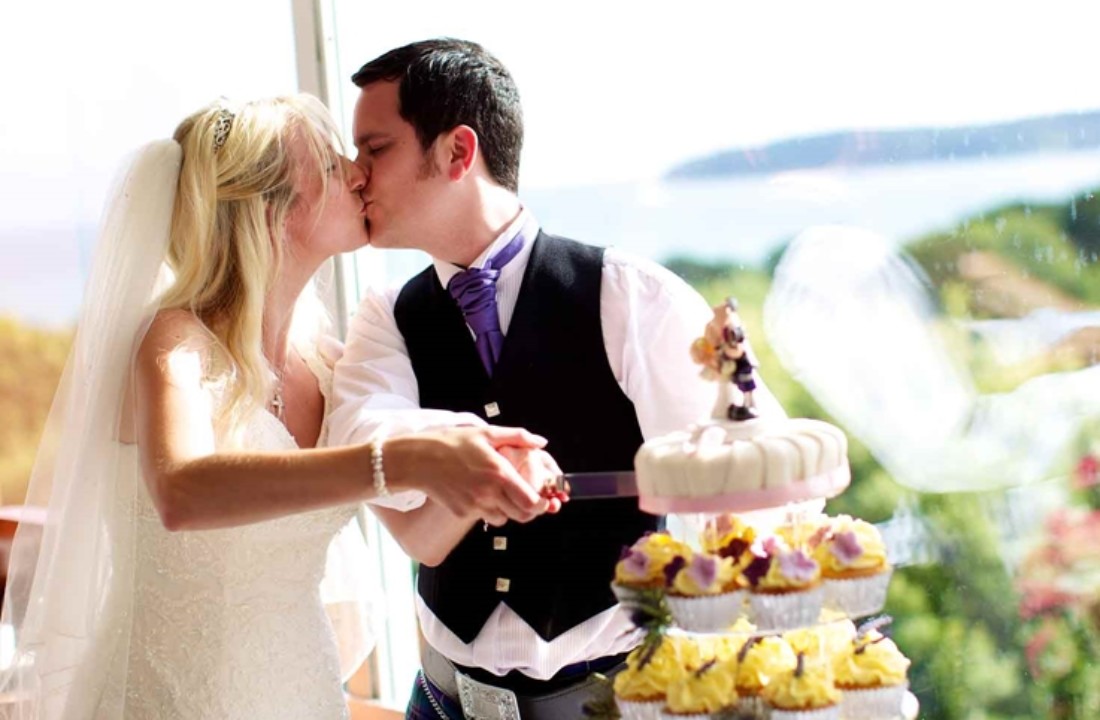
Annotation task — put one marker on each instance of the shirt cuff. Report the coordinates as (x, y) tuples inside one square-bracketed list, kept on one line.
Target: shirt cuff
[(403, 501)]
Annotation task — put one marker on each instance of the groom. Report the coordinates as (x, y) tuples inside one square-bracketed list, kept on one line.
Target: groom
[(511, 325)]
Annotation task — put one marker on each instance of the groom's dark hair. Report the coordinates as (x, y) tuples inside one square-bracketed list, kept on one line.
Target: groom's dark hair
[(444, 83)]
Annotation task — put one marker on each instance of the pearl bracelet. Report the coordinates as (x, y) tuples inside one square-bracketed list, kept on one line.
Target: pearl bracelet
[(380, 489)]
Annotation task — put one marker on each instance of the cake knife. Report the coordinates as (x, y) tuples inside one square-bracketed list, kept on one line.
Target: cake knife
[(598, 485)]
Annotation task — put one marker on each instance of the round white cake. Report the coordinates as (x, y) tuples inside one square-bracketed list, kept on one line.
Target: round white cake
[(742, 465)]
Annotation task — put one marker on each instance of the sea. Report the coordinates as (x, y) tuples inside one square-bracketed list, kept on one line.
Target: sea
[(731, 219)]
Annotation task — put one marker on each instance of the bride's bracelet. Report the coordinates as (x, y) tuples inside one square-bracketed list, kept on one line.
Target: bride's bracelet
[(380, 489)]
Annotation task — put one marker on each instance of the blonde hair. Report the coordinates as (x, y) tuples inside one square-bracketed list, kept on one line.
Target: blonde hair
[(226, 244)]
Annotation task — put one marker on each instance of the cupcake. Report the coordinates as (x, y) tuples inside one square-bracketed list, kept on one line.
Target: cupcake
[(784, 587), (805, 534), (642, 565), (854, 567), (759, 661), (725, 646), (728, 536), (705, 594), (699, 694), (641, 686), (872, 675), (805, 693), (822, 642)]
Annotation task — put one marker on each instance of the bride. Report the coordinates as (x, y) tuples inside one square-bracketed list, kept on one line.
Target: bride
[(190, 501)]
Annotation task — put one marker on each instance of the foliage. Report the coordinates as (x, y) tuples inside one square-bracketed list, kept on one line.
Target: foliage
[(31, 361), (958, 615), (1082, 221)]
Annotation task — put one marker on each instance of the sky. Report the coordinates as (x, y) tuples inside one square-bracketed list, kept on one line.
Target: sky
[(613, 91), (621, 90)]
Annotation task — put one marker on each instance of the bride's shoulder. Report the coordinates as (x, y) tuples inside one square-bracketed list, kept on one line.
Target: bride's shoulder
[(176, 341)]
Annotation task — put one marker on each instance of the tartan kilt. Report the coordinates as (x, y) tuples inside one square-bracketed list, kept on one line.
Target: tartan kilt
[(420, 706)]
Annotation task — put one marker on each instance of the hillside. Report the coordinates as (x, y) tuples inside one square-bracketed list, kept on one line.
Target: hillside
[(865, 147)]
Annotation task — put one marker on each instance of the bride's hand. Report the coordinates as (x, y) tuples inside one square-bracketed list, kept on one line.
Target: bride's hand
[(461, 469)]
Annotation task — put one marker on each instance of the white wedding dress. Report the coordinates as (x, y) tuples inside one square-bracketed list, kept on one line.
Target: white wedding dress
[(107, 615), (229, 624)]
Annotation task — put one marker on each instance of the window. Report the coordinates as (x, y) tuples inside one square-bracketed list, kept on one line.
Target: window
[(708, 136)]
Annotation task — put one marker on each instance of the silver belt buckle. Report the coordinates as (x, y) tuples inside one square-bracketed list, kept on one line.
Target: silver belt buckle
[(485, 702)]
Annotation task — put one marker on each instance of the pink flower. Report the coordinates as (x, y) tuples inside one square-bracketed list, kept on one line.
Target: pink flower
[(798, 566), (703, 570), (1088, 471), (1037, 644), (846, 547), (636, 565), (1040, 599)]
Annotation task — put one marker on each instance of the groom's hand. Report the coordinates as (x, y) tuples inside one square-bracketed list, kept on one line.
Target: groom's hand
[(538, 468)]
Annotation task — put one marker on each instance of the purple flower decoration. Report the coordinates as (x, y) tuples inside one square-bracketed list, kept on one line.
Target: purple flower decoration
[(756, 569), (703, 570), (846, 547), (672, 568), (636, 565), (625, 552), (733, 549), (797, 566)]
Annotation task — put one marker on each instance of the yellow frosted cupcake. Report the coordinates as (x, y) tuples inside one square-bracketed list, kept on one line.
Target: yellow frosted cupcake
[(697, 695), (822, 642), (854, 566), (705, 594), (760, 660), (642, 565), (806, 534), (725, 646), (805, 693), (729, 536), (784, 587), (872, 673), (640, 688)]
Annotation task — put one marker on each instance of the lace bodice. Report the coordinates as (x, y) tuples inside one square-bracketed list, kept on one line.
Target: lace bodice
[(228, 624)]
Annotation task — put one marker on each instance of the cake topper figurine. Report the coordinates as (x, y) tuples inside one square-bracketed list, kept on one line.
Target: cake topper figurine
[(724, 355)]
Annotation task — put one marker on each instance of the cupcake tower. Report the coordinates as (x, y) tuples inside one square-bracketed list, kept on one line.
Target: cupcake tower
[(837, 673), (747, 620)]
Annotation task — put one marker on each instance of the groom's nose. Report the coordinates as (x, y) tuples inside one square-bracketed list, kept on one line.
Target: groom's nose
[(358, 177)]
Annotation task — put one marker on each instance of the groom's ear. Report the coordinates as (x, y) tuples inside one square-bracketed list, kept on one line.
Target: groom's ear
[(462, 149)]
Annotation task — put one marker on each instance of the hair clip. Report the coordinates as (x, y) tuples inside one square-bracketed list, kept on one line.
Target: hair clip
[(222, 125)]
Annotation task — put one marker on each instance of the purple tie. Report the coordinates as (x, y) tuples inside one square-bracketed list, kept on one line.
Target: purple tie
[(475, 291)]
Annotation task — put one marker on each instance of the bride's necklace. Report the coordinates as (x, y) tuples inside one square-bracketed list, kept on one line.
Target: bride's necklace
[(278, 405)]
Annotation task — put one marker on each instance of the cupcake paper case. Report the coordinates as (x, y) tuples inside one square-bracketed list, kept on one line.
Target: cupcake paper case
[(704, 595), (858, 596), (854, 566), (881, 703), (786, 590), (872, 676), (640, 710)]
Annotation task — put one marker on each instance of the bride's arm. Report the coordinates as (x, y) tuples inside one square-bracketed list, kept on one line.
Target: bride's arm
[(195, 487), (429, 533)]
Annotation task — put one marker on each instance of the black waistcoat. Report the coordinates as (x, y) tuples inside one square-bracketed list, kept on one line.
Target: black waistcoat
[(553, 378)]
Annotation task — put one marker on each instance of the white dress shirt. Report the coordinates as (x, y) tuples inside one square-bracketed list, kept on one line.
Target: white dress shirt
[(650, 318)]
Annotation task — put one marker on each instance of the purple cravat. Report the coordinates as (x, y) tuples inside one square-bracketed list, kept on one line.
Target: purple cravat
[(475, 291)]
